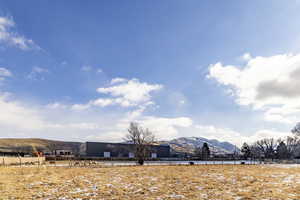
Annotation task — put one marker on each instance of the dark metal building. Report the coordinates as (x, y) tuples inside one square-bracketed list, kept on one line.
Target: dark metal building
[(121, 150)]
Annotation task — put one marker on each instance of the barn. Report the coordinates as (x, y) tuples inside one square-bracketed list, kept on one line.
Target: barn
[(122, 150)]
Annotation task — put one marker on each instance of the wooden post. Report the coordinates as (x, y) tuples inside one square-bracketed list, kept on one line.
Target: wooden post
[(20, 160)]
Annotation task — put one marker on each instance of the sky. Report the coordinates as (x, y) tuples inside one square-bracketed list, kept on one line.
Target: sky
[(83, 70)]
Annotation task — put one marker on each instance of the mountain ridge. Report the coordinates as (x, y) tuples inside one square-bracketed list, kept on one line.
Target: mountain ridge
[(189, 144)]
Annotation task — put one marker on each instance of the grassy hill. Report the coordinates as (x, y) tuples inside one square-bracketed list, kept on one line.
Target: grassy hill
[(32, 144)]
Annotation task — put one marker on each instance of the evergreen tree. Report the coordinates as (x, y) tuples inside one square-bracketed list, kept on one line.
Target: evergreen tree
[(205, 151), (282, 151), (246, 151)]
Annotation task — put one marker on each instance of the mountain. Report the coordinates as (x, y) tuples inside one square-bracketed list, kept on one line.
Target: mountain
[(179, 145), (188, 145)]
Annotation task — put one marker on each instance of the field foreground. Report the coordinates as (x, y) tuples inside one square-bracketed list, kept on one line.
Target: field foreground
[(151, 182)]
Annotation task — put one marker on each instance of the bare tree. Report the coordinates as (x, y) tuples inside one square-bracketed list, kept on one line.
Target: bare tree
[(293, 145), (286, 148), (296, 129), (267, 147), (198, 152), (256, 153), (141, 138)]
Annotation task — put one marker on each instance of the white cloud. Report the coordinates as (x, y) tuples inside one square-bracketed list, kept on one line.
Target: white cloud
[(56, 105), (130, 92), (36, 73), (117, 80), (18, 117), (80, 126), (165, 128), (110, 136), (79, 107), (123, 92), (102, 102), (10, 37), (265, 83), (237, 138), (246, 57), (4, 73)]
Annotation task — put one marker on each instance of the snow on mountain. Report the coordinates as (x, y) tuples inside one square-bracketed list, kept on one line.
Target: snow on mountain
[(188, 145)]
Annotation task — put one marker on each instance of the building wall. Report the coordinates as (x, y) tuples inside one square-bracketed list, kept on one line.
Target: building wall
[(97, 149)]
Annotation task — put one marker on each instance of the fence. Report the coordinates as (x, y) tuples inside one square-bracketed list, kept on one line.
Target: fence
[(21, 160)]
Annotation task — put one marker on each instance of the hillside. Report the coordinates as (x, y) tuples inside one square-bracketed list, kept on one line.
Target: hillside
[(30, 144)]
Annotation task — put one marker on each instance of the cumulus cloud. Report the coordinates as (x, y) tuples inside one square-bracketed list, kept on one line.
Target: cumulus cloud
[(130, 92), (102, 102), (123, 92), (246, 57), (166, 128), (9, 36), (265, 83)]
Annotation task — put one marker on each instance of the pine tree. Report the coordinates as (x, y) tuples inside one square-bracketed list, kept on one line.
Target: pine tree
[(246, 151), (205, 151)]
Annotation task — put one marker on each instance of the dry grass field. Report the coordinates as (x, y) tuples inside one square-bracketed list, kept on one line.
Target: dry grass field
[(151, 182)]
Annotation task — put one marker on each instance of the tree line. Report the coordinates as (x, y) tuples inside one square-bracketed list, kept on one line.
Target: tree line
[(270, 148)]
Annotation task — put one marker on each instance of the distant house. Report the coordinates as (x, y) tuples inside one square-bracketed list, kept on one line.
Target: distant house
[(63, 152), (122, 150)]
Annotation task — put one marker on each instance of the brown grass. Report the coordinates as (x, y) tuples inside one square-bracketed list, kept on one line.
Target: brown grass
[(151, 182)]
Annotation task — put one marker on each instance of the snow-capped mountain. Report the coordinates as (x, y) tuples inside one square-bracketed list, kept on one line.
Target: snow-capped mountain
[(188, 145)]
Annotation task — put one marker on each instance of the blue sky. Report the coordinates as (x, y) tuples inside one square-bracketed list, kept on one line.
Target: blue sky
[(82, 71)]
